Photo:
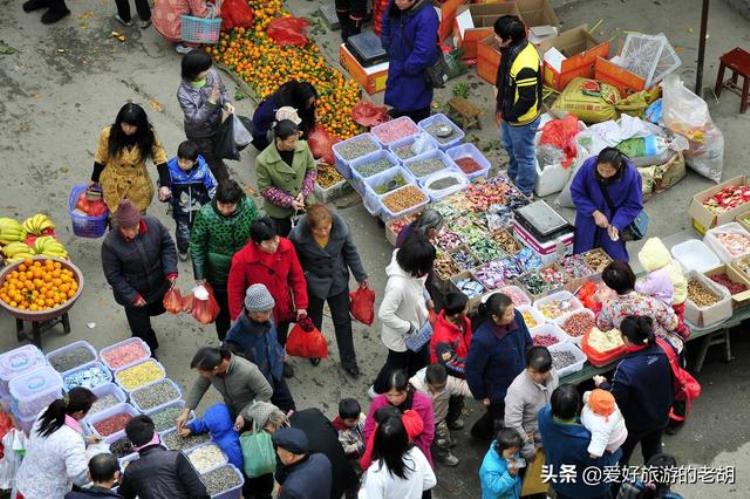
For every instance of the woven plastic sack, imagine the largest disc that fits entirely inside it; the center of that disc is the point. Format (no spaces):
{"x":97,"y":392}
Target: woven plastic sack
{"x":306,"y":341}
{"x":288,"y":31}
{"x":363,"y":305}
{"x":589,"y":100}
{"x":236,"y":14}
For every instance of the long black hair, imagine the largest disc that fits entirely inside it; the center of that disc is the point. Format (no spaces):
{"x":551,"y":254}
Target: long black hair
{"x":77,"y":399}
{"x":391,"y":445}
{"x":132,"y":114}
{"x":297,"y":94}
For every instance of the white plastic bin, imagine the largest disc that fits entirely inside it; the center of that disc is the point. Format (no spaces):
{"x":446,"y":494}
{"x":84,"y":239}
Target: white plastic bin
{"x":125,"y":371}
{"x":569,"y":301}
{"x":530,"y":312}
{"x":179,"y":404}
{"x":233,"y":492}
{"x":84,"y":345}
{"x":395,"y":147}
{"x":577,"y":353}
{"x":383,"y":131}
{"x":693,"y":254}
{"x":430,"y":184}
{"x":358,"y":180}
{"x":104,"y":390}
{"x":469,"y":150}
{"x":91,"y":421}
{"x":343,"y":163}
{"x":106,"y":376}
{"x":387,"y":214}
{"x":371,"y":199}
{"x":24,"y":423}
{"x":137,"y":352}
{"x":714,"y":314}
{"x":518,"y":296}
{"x":550,"y":329}
{"x":17,"y":362}
{"x":560,"y":321}
{"x":34,"y":391}
{"x":727,"y":254}
{"x":443,"y":143}
{"x":448,"y":164}
{"x":134,"y":395}
{"x":202,"y":448}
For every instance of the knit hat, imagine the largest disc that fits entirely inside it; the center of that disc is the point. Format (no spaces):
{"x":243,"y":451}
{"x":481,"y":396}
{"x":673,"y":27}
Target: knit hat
{"x":260,"y":413}
{"x":293,"y":440}
{"x":258,"y":299}
{"x":127,"y":215}
{"x":288,"y":113}
{"x":602,"y":402}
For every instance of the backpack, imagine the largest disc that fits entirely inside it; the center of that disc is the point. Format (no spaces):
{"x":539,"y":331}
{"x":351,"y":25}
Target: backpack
{"x":686,"y":388}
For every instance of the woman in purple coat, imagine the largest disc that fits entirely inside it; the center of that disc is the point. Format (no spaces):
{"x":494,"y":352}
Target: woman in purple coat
{"x":607,"y":194}
{"x":410,"y":37}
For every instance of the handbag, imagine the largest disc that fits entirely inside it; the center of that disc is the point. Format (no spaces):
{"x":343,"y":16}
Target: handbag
{"x":686,"y":387}
{"x":257,"y":452}
{"x":637,"y":229}
{"x":437,"y":74}
{"x":419,"y":338}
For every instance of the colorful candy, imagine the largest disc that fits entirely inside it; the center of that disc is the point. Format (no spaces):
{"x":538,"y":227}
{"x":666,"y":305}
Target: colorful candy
{"x":578,"y":324}
{"x":735,"y":243}
{"x":464,"y":259}
{"x":139,"y":375}
{"x":505,"y":240}
{"x":469,"y":287}
{"x":545,"y":340}
{"x":491,"y":274}
{"x":727,"y":199}
{"x":444,"y":266}
{"x":448,"y":240}
{"x":393,"y":130}
{"x":112,"y":424}
{"x":126,"y":353}
{"x":90,"y":377}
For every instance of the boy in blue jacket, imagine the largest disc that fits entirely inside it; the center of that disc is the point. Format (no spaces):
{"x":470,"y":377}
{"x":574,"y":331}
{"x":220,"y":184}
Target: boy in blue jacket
{"x":218,"y":422}
{"x":499,"y":471}
{"x":191,"y":185}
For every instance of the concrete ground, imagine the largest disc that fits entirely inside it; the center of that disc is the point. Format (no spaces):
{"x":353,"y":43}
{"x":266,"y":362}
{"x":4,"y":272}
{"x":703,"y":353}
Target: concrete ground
{"x":67,"y":81}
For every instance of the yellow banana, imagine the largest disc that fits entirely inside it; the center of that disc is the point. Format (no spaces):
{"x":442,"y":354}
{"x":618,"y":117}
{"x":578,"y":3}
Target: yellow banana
{"x":15,"y":248}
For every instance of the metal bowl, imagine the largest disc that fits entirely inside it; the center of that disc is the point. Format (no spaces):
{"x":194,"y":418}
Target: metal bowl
{"x":43,"y":315}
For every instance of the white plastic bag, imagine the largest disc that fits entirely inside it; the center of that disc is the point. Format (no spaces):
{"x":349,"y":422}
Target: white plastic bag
{"x":421,"y":144}
{"x":683,"y":111}
{"x":14,"y":442}
{"x":241,"y":135}
{"x":706,"y":157}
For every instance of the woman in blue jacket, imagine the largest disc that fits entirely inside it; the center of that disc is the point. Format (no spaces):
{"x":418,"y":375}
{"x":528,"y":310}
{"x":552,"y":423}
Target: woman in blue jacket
{"x":496,"y":356}
{"x":300,"y":95}
{"x":642,"y":387}
{"x":410,"y":38}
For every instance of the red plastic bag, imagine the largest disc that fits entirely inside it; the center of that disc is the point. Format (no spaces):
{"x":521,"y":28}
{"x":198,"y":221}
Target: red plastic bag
{"x":561,"y":135}
{"x":368,"y":114}
{"x":288,"y":31}
{"x":205,"y":307}
{"x":172,"y":301}
{"x":363,"y":305}
{"x":321,"y":144}
{"x":236,"y":14}
{"x":93,"y":208}
{"x":306,"y":341}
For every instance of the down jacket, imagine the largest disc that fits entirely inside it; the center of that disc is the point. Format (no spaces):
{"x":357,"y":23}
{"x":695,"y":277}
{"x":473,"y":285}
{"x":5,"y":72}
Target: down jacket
{"x":655,"y":256}
{"x":202,"y":119}
{"x":141,"y":266}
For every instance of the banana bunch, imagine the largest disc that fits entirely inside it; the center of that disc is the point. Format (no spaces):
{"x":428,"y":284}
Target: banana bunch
{"x":17,"y":251}
{"x":11,"y":230}
{"x":38,"y":223}
{"x":49,"y":246}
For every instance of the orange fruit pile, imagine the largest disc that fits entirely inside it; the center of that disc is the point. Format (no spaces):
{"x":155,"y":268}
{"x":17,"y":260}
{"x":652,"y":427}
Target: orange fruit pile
{"x":265,"y":66}
{"x":38,"y":285}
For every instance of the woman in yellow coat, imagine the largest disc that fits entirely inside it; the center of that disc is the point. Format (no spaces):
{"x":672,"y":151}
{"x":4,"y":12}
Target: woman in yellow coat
{"x":120,"y":161}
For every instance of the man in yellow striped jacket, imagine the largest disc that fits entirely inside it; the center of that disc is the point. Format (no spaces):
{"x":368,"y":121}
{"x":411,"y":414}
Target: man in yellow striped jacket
{"x":518,"y":89}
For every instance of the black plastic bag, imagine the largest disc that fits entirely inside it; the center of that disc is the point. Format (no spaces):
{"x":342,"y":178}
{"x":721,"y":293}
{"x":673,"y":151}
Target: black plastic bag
{"x":224,"y":147}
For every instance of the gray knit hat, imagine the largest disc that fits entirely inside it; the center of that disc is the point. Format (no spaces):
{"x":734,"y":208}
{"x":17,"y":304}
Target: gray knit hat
{"x":261,"y":412}
{"x":258,"y":299}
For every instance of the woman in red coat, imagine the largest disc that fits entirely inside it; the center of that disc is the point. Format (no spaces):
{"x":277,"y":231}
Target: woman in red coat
{"x":270,"y":260}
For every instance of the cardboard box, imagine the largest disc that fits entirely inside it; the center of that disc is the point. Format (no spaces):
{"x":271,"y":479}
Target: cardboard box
{"x":447,"y":14}
{"x":474,"y":22}
{"x":474,"y":301}
{"x":702,"y":219}
{"x":577,"y":52}
{"x":741,"y":299}
{"x":537,"y":13}
{"x":372,"y":79}
{"x":626,"y":81}
{"x":488,"y":59}
{"x":713,"y":314}
{"x":744,"y":218}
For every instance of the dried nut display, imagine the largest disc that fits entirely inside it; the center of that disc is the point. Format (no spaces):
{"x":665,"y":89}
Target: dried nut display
{"x":139,"y":375}
{"x":424,"y":167}
{"x":597,"y":260}
{"x":356,"y":148}
{"x":207,"y":457}
{"x":220,"y":480}
{"x":403,"y":199}
{"x":442,"y":131}
{"x":699,"y":295}
{"x":373,"y":167}
{"x":155,"y":394}
{"x":175,"y":442}
{"x":328,"y":176}
{"x":562,"y":359}
{"x":105,"y":402}
{"x":69,"y":359}
{"x":578,"y":324}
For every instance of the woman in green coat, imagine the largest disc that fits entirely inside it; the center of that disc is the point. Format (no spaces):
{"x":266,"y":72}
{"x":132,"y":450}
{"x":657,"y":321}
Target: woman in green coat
{"x":220,"y":229}
{"x":286,"y":175}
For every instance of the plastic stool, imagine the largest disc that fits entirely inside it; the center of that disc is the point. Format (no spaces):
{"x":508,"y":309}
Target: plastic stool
{"x":738,"y":61}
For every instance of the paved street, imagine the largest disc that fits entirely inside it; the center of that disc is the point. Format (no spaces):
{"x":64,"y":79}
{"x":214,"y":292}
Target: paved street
{"x":68,"y":81}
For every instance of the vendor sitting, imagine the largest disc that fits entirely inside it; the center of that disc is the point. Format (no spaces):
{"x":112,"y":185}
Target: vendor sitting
{"x":298,"y":95}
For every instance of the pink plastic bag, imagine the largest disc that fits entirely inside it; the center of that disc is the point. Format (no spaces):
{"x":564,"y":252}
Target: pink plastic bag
{"x":288,"y":31}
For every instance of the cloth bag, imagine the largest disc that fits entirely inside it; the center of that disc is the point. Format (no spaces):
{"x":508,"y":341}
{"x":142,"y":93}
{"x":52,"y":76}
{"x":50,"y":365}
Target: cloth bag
{"x":257,"y":452}
{"x":532,"y":482}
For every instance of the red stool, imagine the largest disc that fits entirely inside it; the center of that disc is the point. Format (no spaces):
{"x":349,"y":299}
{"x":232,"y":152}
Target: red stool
{"x":738,"y":61}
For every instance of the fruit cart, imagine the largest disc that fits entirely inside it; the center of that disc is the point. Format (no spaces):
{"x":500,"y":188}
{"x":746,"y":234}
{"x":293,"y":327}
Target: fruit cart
{"x":42,"y":320}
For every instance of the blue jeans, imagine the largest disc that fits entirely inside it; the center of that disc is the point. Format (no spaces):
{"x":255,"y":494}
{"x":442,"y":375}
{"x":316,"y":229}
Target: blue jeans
{"x":518,"y":142}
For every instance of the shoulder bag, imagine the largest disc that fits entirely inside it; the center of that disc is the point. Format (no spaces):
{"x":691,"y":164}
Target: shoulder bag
{"x":437,"y":74}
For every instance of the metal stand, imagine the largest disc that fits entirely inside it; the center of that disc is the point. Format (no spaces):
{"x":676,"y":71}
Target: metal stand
{"x":720,"y":337}
{"x":40,"y":327}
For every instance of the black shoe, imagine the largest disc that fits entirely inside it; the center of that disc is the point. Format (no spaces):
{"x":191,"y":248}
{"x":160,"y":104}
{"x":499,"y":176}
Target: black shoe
{"x":353,"y":371}
{"x":288,"y":370}
{"x":52,"y":16}
{"x":315,"y":361}
{"x":32,"y":5}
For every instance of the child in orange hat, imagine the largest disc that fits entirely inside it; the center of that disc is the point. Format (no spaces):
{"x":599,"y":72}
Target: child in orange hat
{"x":602,"y":417}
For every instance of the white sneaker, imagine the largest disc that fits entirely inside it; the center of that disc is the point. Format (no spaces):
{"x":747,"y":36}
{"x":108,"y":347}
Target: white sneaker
{"x":182,"y":49}
{"x":123,"y":21}
{"x":371,"y":392}
{"x":450,"y":460}
{"x":144,"y":24}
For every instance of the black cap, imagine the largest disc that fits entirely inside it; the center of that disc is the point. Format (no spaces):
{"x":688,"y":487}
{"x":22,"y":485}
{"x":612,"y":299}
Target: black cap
{"x":293,"y":440}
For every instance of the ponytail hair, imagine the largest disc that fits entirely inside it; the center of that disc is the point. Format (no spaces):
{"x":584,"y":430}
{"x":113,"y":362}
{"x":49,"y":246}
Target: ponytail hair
{"x":53,"y":418}
{"x":496,"y":305}
{"x":638,"y":329}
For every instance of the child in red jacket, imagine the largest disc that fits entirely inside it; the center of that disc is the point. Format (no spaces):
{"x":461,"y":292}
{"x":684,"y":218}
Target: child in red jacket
{"x":453,"y":328}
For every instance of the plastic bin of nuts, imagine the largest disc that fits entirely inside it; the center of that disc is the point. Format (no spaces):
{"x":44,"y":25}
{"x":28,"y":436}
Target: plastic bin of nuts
{"x":155,"y":395}
{"x":351,"y":149}
{"x":429,"y":163}
{"x":224,"y":482}
{"x":369,"y":166}
{"x":207,"y":457}
{"x":380,"y":184}
{"x":71,"y":356}
{"x":108,"y":395}
{"x":567,"y":358}
{"x":403,"y":201}
{"x":707,"y":302}
{"x":173,"y":441}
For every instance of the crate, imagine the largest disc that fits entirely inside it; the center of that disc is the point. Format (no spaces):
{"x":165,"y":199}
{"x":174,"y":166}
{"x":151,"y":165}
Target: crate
{"x":470,"y":150}
{"x":203,"y":30}
{"x":357,"y":179}
{"x":134,"y":393}
{"x":579,"y":50}
{"x":438,"y":194}
{"x":33,"y":391}
{"x":381,"y":130}
{"x":234,"y":492}
{"x":488,"y":59}
{"x":435,"y":154}
{"x":106,"y":413}
{"x":574,"y":303}
{"x":103,"y":354}
{"x":447,"y":16}
{"x":625,"y":81}
{"x":721,"y":251}
{"x":443,"y":145}
{"x":474,"y":22}
{"x":550,"y":329}
{"x":537,"y":13}
{"x":84,"y":225}
{"x":344,"y":165}
{"x":703,"y":317}
{"x":372,"y":79}
{"x":744,"y":219}
{"x":741,"y":299}
{"x":17,"y":362}
{"x":73,"y":346}
{"x":577,"y":353}
{"x":333,"y":192}
{"x":371,"y":199}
